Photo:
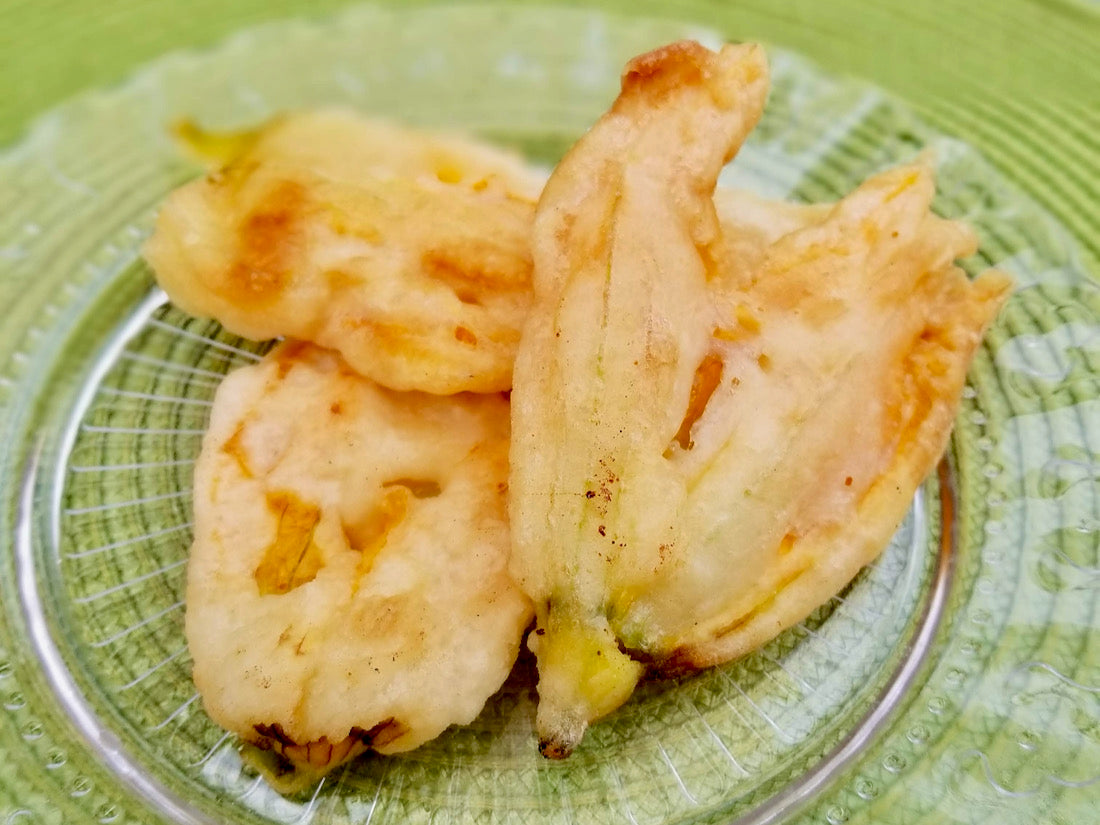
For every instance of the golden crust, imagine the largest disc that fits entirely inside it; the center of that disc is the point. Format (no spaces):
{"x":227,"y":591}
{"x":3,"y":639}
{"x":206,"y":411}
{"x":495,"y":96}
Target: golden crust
{"x":626,"y":238}
{"x":408,"y":253}
{"x":347,"y":586}
{"x":717,"y":423}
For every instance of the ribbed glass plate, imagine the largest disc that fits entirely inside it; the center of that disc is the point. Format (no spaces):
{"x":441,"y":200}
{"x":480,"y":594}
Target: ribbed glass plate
{"x":954,"y":681}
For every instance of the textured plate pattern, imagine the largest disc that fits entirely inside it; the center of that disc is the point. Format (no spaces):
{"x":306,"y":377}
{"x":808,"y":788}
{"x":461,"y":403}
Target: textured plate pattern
{"x":106,"y":393}
{"x":124,"y":527}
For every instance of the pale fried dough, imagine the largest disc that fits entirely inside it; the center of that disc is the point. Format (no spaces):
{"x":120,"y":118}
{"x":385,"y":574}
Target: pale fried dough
{"x":407,"y":252}
{"x":712,"y":431}
{"x":347,"y":586}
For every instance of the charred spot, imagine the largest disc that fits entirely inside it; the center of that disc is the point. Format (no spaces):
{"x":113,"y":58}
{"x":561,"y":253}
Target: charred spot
{"x":554,"y":750}
{"x":381,"y":734}
{"x":590,"y":494}
{"x":848,"y":481}
{"x":602,"y":530}
{"x":637,"y":654}
{"x":676,"y":665}
{"x":273,"y":733}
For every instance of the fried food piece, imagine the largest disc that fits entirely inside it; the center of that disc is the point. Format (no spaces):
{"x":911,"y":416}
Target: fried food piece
{"x":705,"y":448}
{"x":406,"y":252}
{"x":625,"y":236}
{"x":348,"y":584}
{"x":835,"y":399}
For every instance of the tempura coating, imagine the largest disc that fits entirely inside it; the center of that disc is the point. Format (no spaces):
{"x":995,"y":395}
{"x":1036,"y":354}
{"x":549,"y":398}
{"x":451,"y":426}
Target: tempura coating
{"x":626,"y":237}
{"x":407,"y":252}
{"x":712,"y":432}
{"x":348,"y":586}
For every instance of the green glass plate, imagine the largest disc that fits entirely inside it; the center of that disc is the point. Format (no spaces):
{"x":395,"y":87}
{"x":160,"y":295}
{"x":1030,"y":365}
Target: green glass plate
{"x":955,"y":680}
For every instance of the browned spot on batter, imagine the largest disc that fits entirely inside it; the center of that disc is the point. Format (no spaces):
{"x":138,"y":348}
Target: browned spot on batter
{"x":920,"y":377}
{"x":665,"y":70}
{"x":390,"y":338}
{"x":234,"y":447}
{"x":708,"y":375}
{"x":267,"y":239}
{"x":292,"y":559}
{"x":287,"y":356}
{"x":336,"y":408}
{"x":764,"y":361}
{"x":786,"y":544}
{"x":468,"y":297}
{"x":465,"y":336}
{"x":384,"y":733}
{"x":477,"y":265}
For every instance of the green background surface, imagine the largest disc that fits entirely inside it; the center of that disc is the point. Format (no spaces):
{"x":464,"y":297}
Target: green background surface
{"x":1018,"y":79}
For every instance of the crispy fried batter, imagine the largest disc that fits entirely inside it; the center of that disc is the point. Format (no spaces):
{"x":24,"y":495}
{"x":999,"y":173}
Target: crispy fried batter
{"x":626,"y":238}
{"x":714,"y":429}
{"x":347,"y":587}
{"x":407,"y":252}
